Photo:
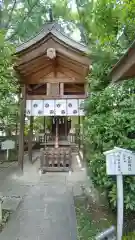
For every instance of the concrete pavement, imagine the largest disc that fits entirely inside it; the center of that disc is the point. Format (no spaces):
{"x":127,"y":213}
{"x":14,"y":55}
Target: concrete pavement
{"x":47,"y":210}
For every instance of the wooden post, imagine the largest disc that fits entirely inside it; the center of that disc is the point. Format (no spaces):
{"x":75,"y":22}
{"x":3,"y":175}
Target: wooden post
{"x":30,"y":139}
{"x":44,"y":129}
{"x":66,"y":127}
{"x":61,"y":89}
{"x":41,"y":158}
{"x":56,"y":136}
{"x":22,"y":125}
{"x":83,"y":150}
{"x":45,"y":136}
{"x":16,"y":132}
{"x":48,"y":89}
{"x":79,"y":142}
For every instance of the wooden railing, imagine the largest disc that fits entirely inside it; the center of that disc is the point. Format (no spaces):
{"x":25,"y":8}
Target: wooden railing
{"x":47,"y":137}
{"x":72,"y":138}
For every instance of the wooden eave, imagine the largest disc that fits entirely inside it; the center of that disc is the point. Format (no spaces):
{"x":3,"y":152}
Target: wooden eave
{"x":125,"y":68}
{"x":34,"y":67}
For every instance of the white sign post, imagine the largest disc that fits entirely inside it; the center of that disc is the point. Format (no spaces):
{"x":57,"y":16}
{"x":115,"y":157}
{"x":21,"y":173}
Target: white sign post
{"x":120,"y":162}
{"x":6,"y":145}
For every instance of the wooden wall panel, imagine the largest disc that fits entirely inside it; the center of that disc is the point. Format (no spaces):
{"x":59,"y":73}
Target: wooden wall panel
{"x":54,"y":89}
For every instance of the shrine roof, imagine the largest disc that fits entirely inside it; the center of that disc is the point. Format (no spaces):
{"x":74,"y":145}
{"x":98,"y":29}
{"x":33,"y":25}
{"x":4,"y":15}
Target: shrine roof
{"x":125,"y":67}
{"x":52,"y":29}
{"x":52,"y":56}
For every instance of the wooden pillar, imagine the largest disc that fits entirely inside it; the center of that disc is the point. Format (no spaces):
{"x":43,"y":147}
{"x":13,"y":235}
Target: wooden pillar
{"x":45,"y":136}
{"x":61,"y":89}
{"x":79,"y":140}
{"x":66,"y":127}
{"x":22,"y":125}
{"x":30,"y":139}
{"x":16,"y":132}
{"x":48,"y":89}
{"x":56,"y":136}
{"x":44,"y":124}
{"x":83,"y":150}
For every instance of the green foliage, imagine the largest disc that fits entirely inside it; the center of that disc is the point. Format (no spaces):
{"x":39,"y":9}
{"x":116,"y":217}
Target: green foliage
{"x":23,"y":19}
{"x":110,"y":122}
{"x":88,"y":215}
{"x":38,"y":125}
{"x":110,"y":108}
{"x":131,"y":236}
{"x":8,"y":86}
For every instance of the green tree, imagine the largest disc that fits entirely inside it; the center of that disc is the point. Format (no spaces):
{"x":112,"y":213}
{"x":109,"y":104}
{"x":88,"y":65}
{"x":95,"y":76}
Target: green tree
{"x":109,"y":108}
{"x":8,"y":86}
{"x":23,"y":19}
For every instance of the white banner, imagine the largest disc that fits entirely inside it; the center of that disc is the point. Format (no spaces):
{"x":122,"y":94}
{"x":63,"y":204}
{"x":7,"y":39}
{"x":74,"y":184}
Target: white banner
{"x":28,"y":108}
{"x":37,"y":108}
{"x":81,"y":109}
{"x":49,"y":107}
{"x":58,"y":107}
{"x":72,"y":107}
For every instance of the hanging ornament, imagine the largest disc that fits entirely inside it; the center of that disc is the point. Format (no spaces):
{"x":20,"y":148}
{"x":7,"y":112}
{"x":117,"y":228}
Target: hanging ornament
{"x":51,"y":53}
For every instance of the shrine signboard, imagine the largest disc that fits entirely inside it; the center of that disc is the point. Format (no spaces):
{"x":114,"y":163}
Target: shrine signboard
{"x":120,"y":162}
{"x":7,"y":145}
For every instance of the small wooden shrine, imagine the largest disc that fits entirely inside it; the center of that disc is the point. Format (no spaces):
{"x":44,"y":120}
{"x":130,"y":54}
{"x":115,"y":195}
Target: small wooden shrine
{"x":125,"y":67}
{"x":52,"y":70}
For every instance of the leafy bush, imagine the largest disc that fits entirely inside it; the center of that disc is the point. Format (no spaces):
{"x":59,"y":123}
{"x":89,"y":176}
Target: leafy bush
{"x":110,"y":122}
{"x":131,"y":236}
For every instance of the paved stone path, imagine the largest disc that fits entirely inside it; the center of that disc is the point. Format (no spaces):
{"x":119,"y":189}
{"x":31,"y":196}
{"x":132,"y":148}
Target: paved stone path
{"x":46,"y":212}
{"x":47,"y":209}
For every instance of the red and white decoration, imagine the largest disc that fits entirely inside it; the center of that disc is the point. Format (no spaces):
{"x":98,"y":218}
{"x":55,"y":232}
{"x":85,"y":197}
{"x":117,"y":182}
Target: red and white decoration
{"x":59,"y":107}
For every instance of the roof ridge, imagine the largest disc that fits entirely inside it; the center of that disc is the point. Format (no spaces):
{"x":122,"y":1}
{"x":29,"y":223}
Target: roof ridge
{"x":52,"y":28}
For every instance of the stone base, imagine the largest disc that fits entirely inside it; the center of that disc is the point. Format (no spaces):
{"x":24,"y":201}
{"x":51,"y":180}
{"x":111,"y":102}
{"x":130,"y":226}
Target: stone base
{"x":55,"y":169}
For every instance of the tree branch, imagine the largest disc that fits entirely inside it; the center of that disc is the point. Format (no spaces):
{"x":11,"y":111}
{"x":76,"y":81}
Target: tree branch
{"x":23,"y":20}
{"x":11,"y":13}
